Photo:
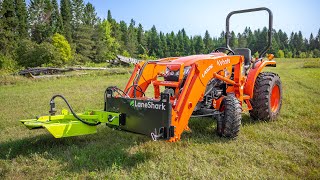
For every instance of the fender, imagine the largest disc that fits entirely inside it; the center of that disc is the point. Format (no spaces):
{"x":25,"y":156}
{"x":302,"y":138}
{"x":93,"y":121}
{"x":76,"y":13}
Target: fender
{"x":252,"y":76}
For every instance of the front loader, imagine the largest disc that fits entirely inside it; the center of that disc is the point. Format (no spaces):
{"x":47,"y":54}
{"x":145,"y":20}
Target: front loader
{"x":215,"y":85}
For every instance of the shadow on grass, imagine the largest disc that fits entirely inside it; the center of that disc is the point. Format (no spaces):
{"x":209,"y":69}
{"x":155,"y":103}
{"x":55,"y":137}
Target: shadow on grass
{"x":247,"y":121}
{"x":106,"y":149}
{"x":203,"y":129}
{"x":93,"y":152}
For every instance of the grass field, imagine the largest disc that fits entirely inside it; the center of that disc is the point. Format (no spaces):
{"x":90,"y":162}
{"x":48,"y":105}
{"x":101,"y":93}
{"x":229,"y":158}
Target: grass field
{"x":288,"y":148}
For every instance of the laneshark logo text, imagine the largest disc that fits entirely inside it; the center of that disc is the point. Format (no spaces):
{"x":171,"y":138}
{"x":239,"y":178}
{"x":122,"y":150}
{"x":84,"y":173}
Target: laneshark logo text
{"x":147,"y":105}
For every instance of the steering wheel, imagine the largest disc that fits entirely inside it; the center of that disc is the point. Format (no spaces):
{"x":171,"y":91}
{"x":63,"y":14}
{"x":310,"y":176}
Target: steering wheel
{"x":221,"y":49}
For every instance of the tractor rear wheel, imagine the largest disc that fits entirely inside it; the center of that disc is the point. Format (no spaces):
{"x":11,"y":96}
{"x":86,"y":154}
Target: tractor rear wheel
{"x":267,"y":97}
{"x":228,"y":125}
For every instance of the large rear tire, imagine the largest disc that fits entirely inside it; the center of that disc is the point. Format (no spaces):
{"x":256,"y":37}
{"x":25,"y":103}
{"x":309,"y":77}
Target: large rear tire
{"x":230,"y":121}
{"x":267,"y":97}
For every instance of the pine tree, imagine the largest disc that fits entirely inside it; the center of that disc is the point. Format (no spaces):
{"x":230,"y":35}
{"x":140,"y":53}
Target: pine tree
{"x":260,"y":40}
{"x":317,"y":46}
{"x":141,"y":40}
{"x":98,"y":39}
{"x":65,"y":9}
{"x":275,"y":44}
{"x":115,"y":28}
{"x":296,"y":43}
{"x":84,"y":43}
{"x":22,"y":16}
{"x":1,"y":17}
{"x":176,"y":45}
{"x":56,"y":19}
{"x":179,"y":44}
{"x":9,"y":23}
{"x":186,"y":43}
{"x":153,"y":41}
{"x":291,"y":46}
{"x":83,"y":21}
{"x":163,"y":45}
{"x":221,"y":40}
{"x":242,"y":41}
{"x":2,"y":38}
{"x":311,"y":42}
{"x":198,"y":45}
{"x":207,"y":40}
{"x":170,"y":43}
{"x":39,"y":18}
{"x":250,"y":39}
{"x":233,"y":40}
{"x":109,"y":18}
{"x":124,"y":34}
{"x":132,"y":39}
{"x":77,"y":9}
{"x":90,"y":15}
{"x":283,"y":40}
{"x":301,"y":43}
{"x":192,"y":44}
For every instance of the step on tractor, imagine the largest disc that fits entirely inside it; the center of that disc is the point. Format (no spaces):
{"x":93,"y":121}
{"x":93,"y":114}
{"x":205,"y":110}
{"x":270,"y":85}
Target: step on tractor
{"x":162,"y":95}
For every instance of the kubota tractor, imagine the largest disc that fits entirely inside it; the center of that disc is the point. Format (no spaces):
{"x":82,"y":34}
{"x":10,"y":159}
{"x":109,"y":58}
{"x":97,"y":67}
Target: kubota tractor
{"x":216,"y":85}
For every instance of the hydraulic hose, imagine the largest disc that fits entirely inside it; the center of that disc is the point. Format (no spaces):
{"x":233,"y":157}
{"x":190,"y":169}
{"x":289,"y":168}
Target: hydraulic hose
{"x":52,"y":110}
{"x":135,"y":89}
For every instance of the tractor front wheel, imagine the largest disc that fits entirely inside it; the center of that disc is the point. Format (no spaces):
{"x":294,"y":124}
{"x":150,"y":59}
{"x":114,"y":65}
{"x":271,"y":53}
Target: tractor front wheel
{"x":267,"y":97}
{"x":228,"y":125}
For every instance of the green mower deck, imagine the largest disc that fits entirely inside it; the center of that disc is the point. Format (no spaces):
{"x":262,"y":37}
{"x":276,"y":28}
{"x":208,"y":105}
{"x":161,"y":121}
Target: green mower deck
{"x":66,"y":125}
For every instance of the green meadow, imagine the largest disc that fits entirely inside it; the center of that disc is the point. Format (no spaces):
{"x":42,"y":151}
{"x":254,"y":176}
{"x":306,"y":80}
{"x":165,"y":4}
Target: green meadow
{"x":288,"y":148}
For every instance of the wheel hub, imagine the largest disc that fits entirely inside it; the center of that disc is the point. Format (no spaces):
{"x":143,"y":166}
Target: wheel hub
{"x":275,"y":98}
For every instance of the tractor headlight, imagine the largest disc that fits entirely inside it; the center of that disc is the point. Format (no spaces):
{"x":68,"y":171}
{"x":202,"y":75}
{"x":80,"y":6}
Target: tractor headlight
{"x":186,"y":70}
{"x":171,"y":72}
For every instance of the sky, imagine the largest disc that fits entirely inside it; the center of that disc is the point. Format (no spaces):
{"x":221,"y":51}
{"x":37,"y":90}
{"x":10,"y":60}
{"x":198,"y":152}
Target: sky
{"x":197,"y":16}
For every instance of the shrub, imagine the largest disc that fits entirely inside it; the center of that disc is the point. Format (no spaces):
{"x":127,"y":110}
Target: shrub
{"x":316,"y":53}
{"x":48,"y":54}
{"x":302,"y":55}
{"x":280,"y":54}
{"x":79,"y":59}
{"x":289,"y":54}
{"x":7,"y":63}
{"x":25,"y":52}
{"x":125,"y":53}
{"x":310,"y":54}
{"x":30,"y":54}
{"x":146,"y":57}
{"x":63,"y":47}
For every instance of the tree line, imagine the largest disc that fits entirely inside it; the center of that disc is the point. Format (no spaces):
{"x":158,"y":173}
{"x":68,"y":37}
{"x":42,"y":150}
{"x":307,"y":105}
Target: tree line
{"x":47,"y":33}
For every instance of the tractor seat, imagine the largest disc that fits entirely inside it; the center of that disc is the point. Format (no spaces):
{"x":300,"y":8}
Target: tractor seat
{"x":246,"y":52}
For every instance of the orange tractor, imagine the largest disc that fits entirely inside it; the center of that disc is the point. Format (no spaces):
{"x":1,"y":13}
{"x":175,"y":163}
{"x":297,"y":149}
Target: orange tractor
{"x":216,"y":85}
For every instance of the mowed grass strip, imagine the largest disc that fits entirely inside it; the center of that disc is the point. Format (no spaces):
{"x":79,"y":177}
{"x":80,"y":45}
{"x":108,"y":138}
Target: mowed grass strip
{"x":286,"y":148}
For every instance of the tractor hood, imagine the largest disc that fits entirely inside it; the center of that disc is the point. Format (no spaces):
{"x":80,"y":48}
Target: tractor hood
{"x":188,"y":60}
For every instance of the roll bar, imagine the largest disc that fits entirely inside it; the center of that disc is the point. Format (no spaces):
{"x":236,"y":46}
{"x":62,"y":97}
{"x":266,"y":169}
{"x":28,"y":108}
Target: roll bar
{"x":228,"y":34}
